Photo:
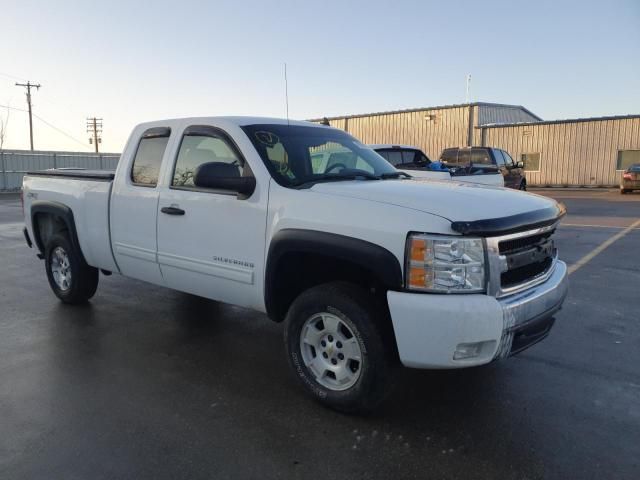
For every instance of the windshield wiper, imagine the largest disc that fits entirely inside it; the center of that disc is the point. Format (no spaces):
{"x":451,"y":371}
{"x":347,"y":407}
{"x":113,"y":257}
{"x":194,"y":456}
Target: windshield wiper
{"x":388,"y":175}
{"x":309,"y":182}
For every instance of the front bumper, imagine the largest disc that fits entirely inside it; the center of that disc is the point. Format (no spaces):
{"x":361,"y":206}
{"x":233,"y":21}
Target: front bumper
{"x":431,"y":329}
{"x":630,"y":185}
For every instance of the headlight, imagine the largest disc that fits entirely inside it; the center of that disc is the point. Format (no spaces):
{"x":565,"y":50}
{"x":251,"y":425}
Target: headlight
{"x":437,"y":263}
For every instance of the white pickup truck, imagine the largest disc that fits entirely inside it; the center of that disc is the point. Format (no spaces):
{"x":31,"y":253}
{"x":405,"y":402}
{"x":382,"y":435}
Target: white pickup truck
{"x":368,"y":268}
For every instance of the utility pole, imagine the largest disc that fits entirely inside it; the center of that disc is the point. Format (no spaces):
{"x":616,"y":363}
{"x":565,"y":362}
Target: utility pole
{"x":94,"y":127}
{"x":28,"y":86}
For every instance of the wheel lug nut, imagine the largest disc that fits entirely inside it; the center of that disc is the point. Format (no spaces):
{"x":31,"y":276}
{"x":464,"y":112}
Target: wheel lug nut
{"x":330,"y":338}
{"x":334,"y":361}
{"x":341,"y":356}
{"x":339,"y":344}
{"x":323,"y":343}
{"x":324,"y":354}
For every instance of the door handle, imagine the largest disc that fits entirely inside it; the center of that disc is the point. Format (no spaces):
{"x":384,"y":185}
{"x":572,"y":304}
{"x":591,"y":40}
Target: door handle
{"x":172,"y":210}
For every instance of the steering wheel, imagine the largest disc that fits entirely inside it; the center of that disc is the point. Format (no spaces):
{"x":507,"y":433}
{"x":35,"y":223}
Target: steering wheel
{"x":334,"y":166}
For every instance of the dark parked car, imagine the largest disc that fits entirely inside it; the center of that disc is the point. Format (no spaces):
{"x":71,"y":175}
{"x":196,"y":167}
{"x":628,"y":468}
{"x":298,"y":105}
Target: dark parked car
{"x":472,"y":160}
{"x":403,"y":156}
{"x":630,"y":179}
{"x":414,"y":161}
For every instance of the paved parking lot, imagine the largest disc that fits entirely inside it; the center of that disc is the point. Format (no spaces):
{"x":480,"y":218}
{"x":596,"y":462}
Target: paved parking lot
{"x":145,"y":382}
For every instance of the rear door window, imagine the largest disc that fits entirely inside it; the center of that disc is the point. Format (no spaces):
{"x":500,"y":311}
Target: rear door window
{"x":480,"y":157}
{"x":395,"y":157}
{"x":146,"y":164}
{"x":449,"y":156}
{"x":384,"y":154}
{"x":464,"y":157}
{"x":408,"y":156}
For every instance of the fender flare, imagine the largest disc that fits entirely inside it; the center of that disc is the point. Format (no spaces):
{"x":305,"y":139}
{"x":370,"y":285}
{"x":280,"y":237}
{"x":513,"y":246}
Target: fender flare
{"x":381,"y":262}
{"x":59,"y":210}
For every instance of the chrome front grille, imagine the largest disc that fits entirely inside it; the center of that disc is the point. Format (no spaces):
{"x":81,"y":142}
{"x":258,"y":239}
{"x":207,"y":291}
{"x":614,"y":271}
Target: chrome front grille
{"x":520,"y":260}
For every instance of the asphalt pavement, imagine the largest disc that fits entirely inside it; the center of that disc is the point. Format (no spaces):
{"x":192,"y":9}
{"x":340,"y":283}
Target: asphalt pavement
{"x":145,"y":382}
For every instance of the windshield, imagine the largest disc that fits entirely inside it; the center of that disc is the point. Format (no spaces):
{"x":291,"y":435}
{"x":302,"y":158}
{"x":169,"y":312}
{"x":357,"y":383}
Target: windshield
{"x":298,"y":155}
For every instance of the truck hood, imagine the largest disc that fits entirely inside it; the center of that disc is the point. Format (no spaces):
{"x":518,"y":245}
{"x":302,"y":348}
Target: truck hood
{"x":455,"y":201}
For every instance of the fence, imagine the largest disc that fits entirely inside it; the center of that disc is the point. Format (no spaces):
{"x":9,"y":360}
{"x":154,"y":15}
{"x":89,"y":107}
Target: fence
{"x":15,"y":163}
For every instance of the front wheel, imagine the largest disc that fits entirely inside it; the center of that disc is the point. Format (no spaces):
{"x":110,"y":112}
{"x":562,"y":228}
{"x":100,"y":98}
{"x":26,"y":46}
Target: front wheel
{"x":336,"y":348}
{"x":70,"y":278}
{"x":523,"y":186}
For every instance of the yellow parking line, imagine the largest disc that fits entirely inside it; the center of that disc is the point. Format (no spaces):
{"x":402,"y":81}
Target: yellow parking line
{"x":590,"y":256}
{"x":591,"y":225}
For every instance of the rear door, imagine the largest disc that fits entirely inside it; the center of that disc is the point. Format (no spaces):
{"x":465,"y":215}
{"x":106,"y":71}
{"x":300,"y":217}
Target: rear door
{"x":134,"y":208}
{"x":211,"y":242}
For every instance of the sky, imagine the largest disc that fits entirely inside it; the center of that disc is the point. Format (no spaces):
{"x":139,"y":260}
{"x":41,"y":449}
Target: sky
{"x":129,"y":62}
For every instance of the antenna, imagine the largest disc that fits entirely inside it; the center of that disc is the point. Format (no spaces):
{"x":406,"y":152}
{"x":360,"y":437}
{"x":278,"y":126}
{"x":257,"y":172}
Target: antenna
{"x":286,"y":92}
{"x":468,"y":96}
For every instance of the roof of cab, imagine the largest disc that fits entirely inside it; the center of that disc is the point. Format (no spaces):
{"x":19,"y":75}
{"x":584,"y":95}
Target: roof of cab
{"x":236,"y":120}
{"x":392,"y":146}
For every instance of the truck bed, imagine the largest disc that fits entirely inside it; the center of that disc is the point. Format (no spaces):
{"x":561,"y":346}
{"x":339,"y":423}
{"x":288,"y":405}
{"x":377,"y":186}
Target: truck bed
{"x":87,"y":193}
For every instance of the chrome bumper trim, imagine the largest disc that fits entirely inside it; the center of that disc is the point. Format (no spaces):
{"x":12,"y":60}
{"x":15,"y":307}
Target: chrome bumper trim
{"x":532,"y":305}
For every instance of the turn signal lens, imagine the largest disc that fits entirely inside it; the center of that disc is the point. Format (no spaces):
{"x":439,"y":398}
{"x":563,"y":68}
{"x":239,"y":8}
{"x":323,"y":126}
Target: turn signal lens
{"x":418,"y":277}
{"x":418,"y":249}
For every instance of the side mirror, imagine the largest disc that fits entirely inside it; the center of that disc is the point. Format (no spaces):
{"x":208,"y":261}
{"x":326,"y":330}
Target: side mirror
{"x":520,"y":164}
{"x":223,"y":176}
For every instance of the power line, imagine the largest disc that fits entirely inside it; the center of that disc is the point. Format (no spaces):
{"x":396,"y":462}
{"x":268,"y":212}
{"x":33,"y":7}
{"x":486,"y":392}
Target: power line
{"x":48,"y":124}
{"x":13,"y":108}
{"x":61,"y":131}
{"x":12,"y":76}
{"x":29,"y":86}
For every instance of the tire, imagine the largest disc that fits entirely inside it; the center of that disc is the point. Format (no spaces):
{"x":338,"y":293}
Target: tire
{"x":358,"y":314}
{"x":623,"y":191}
{"x":523,"y":186}
{"x":70,"y":278}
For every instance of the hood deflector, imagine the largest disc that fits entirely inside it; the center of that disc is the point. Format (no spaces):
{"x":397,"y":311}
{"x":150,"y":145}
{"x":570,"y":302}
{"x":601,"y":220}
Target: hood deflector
{"x":492,"y":227}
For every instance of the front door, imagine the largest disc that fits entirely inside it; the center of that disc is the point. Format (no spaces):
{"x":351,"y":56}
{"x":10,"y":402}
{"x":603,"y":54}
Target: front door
{"x":512,"y":176}
{"x":211,"y":243}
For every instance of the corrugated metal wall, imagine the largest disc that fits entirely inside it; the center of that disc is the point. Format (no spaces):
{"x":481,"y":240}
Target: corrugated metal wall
{"x":578,"y":153}
{"x":15,"y":163}
{"x":503,"y":114}
{"x":431,"y":129}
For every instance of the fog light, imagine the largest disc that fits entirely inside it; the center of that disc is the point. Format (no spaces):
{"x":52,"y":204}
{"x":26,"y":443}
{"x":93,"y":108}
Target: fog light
{"x":472,"y":350}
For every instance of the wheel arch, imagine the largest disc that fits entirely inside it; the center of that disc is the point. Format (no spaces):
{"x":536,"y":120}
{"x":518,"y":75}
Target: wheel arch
{"x":49,"y":217}
{"x":295,"y":253}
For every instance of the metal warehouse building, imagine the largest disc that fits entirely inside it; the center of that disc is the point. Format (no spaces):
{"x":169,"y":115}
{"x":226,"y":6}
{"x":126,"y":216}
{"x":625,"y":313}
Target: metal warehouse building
{"x":575,"y":152}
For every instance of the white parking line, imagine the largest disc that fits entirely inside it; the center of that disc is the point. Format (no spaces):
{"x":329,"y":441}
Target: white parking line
{"x":593,"y":253}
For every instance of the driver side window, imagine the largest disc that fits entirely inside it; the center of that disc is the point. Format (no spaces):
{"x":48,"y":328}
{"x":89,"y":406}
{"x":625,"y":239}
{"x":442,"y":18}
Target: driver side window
{"x":198,"y":149}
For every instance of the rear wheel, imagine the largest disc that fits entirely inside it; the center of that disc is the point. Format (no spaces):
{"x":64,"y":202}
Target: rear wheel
{"x":336,"y":349}
{"x":70,"y":278}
